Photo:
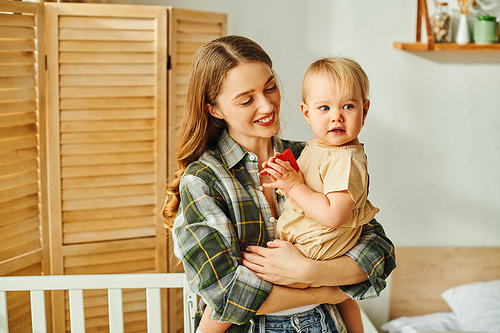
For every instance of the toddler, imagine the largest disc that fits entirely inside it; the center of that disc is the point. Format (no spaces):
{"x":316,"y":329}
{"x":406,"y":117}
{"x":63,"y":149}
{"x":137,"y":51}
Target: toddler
{"x":327,"y":203}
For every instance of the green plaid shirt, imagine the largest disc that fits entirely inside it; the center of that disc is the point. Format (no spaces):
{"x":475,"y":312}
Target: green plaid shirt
{"x":223,"y":210}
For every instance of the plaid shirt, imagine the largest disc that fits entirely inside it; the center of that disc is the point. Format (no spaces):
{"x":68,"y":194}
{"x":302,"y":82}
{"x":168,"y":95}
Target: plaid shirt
{"x":223,"y":210}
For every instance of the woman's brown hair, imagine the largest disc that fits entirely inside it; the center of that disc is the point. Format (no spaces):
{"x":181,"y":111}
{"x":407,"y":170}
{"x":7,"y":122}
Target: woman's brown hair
{"x":200,"y":131}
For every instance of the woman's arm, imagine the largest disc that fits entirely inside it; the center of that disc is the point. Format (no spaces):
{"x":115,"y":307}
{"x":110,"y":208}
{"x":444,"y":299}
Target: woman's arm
{"x":282,"y":298}
{"x":361,"y":272}
{"x":282,"y":263}
{"x":208,"y":325}
{"x":375,"y":254}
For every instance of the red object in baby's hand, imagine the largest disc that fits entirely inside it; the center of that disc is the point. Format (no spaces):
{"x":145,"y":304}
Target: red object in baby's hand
{"x":287,"y":155}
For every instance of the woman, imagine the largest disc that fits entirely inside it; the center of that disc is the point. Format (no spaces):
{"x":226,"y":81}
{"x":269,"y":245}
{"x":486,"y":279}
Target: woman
{"x":225,"y":217}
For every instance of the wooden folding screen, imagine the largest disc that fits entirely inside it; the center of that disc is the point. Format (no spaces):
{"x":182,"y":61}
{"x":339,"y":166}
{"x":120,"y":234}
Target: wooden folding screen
{"x":22,"y":105}
{"x":104,"y":143}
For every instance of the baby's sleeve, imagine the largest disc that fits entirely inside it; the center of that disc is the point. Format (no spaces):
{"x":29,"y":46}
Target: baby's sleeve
{"x":343,"y":171}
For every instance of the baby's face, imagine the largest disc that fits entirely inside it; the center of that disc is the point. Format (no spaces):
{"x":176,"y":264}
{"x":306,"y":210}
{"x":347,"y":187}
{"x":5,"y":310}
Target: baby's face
{"x":336,"y":118}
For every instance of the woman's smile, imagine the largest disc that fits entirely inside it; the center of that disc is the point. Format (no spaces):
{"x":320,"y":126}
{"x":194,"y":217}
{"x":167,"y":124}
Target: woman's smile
{"x":269,"y":120}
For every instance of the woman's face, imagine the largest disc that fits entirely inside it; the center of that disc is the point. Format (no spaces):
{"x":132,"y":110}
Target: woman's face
{"x":249,"y":102}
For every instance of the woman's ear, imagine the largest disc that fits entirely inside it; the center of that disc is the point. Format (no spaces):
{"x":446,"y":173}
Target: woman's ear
{"x":213,"y":111}
{"x":366,"y":107}
{"x":305,"y":112}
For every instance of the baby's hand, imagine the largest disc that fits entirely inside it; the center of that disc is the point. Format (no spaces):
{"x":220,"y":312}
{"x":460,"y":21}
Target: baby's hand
{"x":283,"y":175}
{"x":265,"y":166}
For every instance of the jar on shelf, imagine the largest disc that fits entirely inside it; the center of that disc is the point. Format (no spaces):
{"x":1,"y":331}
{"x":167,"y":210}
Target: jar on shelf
{"x":441,"y":23}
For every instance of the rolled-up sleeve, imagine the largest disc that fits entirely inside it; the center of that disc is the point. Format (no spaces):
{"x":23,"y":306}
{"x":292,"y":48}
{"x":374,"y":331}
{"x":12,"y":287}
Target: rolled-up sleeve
{"x":206,"y":242}
{"x":375,"y":254}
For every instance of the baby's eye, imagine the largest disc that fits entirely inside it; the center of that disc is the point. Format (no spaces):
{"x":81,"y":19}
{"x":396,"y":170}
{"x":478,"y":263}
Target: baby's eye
{"x":348,"y":106}
{"x":324,"y":108}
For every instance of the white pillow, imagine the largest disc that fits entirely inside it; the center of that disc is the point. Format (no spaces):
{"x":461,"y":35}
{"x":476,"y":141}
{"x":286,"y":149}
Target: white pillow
{"x":440,"y":321}
{"x":476,"y":305}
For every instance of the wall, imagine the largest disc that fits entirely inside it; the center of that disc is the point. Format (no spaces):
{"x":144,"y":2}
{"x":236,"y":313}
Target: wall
{"x":431,"y":135}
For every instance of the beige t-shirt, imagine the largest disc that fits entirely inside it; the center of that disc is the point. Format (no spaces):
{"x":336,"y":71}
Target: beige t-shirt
{"x":328,"y":170}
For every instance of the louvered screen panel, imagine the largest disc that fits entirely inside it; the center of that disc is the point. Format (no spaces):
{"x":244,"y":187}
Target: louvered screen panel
{"x":107,"y":121}
{"x":188,"y":31}
{"x":20,"y":150}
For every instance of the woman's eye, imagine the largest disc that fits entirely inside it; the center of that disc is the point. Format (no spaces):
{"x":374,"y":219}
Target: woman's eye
{"x":273,"y":88}
{"x":247,"y":102}
{"x":324,"y":108}
{"x":348,"y":106}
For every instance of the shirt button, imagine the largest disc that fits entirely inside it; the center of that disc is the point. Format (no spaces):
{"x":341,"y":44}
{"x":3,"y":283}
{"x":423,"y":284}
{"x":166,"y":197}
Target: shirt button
{"x":296,"y":320}
{"x":261,"y":188}
{"x":251,"y":157}
{"x":271,"y":219}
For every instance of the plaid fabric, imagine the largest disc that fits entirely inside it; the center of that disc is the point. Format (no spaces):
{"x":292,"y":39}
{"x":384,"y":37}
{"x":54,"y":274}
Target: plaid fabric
{"x":375,"y":254}
{"x":223,"y":209}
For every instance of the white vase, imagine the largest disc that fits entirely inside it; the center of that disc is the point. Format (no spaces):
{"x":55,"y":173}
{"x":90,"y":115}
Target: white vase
{"x":463,"y":36}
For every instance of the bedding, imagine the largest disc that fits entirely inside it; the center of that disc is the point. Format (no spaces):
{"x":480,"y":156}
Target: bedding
{"x":476,"y":305}
{"x":434,"y":322}
{"x":475,"y":308}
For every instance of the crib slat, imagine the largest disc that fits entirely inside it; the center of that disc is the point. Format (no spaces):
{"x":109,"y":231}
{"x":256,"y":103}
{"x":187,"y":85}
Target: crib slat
{"x":115,"y":311}
{"x":38,"y":323}
{"x":153,"y":306}
{"x":76,"y":311}
{"x":189,"y":305}
{"x":4,"y":322}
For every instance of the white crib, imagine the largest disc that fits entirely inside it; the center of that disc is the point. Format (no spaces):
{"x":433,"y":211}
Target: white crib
{"x":114,"y":283}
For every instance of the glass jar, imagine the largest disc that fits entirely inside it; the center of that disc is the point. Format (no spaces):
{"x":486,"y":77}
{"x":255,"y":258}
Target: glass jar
{"x":441,"y":23}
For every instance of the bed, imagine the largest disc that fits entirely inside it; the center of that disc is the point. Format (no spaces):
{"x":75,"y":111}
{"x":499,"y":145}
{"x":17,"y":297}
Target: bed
{"x":445,"y":289}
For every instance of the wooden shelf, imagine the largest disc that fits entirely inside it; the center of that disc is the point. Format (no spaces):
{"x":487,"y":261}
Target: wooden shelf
{"x":423,"y":14}
{"x":446,"y":47}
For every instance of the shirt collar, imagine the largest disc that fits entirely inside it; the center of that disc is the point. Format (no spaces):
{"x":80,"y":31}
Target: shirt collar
{"x":232,"y":153}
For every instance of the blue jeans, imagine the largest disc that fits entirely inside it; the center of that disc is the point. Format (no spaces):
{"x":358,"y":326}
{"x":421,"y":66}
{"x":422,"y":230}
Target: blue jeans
{"x":316,"y":320}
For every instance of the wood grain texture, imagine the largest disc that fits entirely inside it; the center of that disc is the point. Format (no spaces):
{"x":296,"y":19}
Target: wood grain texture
{"x":21,"y":150}
{"x":422,"y":274}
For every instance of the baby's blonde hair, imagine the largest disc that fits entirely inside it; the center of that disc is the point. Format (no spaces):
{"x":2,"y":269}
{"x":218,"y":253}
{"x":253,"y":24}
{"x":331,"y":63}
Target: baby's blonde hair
{"x":344,"y":73}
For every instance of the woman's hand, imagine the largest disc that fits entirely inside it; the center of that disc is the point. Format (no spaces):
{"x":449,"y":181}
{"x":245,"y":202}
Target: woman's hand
{"x":280,"y":263}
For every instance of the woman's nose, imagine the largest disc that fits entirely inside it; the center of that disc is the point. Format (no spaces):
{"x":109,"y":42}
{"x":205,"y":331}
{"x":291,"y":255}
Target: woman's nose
{"x":266,"y":105}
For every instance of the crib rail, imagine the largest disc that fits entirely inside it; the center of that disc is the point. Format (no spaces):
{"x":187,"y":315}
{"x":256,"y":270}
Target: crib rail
{"x":114,"y":283}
